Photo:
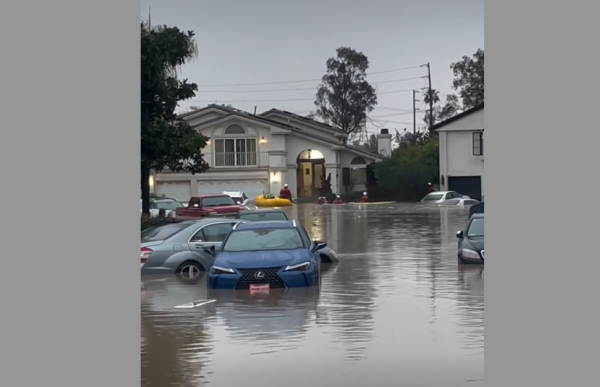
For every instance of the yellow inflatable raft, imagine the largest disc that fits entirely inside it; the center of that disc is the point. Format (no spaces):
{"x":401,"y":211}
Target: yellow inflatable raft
{"x":260,"y":201}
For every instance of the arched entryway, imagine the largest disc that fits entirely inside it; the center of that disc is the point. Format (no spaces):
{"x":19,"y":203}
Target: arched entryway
{"x":310,"y":172}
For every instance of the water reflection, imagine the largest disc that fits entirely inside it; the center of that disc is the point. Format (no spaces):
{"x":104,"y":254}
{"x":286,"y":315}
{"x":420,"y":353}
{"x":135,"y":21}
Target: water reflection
{"x":397,"y":306}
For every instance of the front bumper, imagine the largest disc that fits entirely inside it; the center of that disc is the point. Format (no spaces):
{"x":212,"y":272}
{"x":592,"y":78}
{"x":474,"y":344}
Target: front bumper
{"x":470,"y":259}
{"x":275,"y":277}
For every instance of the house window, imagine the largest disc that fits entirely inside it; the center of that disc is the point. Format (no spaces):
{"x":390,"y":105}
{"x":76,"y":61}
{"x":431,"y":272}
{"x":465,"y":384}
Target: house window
{"x":231,"y":152}
{"x":358,"y":176}
{"x":235,"y":129}
{"x":478,"y":144}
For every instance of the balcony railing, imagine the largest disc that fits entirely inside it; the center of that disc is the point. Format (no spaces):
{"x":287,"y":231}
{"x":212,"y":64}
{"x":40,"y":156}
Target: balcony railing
{"x":240,"y":159}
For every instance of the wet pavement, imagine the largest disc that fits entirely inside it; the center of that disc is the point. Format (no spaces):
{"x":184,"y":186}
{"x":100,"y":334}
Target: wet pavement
{"x":396,"y":311}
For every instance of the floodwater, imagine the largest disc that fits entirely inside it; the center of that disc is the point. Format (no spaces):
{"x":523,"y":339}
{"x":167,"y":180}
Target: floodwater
{"x":396,"y":311}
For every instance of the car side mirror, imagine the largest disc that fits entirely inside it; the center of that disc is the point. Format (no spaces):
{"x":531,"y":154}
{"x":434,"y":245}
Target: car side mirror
{"x":210,"y":250}
{"x":459,"y":234}
{"x":319,"y":245}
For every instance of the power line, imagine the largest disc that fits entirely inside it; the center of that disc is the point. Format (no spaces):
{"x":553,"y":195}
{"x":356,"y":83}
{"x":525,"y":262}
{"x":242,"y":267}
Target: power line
{"x":298,"y":89}
{"x":305,"y":80}
{"x":281,"y":100}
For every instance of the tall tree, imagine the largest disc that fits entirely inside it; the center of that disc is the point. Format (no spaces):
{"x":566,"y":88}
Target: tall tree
{"x":344,"y":97}
{"x":468,"y":79}
{"x":166,"y":141}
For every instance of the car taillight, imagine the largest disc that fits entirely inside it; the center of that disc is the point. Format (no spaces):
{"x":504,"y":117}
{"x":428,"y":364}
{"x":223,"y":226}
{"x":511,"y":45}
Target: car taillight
{"x":145,"y":254}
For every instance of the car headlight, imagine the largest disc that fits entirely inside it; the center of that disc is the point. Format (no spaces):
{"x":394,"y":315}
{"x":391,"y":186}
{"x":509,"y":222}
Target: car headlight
{"x":468,"y":253}
{"x":304,"y":266}
{"x":221,"y":270}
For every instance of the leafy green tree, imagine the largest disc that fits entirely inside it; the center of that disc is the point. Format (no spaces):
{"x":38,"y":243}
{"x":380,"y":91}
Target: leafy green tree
{"x":344,"y":97}
{"x":166,"y":141}
{"x":409,"y":169}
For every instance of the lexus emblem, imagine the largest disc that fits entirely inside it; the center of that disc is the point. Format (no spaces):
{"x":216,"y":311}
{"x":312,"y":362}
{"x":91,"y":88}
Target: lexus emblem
{"x":482,"y":256}
{"x":259,"y":274}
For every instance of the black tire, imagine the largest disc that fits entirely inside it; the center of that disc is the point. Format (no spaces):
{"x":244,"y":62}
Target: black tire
{"x":460,"y":260}
{"x":190,"y":271}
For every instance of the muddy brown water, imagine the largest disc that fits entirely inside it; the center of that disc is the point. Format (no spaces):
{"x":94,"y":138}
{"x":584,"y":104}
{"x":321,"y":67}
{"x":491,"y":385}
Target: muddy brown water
{"x":396,"y":311}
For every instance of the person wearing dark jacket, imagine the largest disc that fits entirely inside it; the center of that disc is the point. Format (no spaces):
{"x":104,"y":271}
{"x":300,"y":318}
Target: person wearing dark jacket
{"x":285,"y":193}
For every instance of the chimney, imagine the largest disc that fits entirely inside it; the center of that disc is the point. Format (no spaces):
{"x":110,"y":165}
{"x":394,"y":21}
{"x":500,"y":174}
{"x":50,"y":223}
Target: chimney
{"x":384,"y":143}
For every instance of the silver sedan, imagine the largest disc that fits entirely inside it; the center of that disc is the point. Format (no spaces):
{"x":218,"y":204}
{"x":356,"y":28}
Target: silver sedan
{"x":180,"y":247}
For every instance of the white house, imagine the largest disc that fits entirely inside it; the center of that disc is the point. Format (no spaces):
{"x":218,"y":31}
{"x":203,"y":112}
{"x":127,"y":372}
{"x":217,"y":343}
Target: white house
{"x":260,"y":153}
{"x":461,"y":153}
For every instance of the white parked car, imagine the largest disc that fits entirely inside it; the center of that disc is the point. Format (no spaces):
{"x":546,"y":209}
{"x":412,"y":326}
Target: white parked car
{"x":442,"y":196}
{"x":239,"y":197}
{"x":461,"y":202}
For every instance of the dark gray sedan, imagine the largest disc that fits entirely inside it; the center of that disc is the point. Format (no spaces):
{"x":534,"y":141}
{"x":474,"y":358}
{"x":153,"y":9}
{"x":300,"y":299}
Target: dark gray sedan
{"x":179,"y":247}
{"x":470,"y":241}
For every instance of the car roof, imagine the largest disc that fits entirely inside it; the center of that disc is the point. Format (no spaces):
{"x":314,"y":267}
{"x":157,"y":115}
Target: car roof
{"x":266,"y":225}
{"x":216,"y":195}
{"x":261,"y":210}
{"x":201,"y":221}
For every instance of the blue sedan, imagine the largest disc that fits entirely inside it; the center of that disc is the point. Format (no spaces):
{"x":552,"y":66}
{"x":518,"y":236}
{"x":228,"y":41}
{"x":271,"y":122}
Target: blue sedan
{"x":266,"y":255}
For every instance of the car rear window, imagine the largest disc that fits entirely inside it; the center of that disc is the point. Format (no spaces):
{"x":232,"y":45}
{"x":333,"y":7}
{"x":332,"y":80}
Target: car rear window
{"x":217,"y":201}
{"x":160,"y":233}
{"x":265,"y":216}
{"x":433,"y":197}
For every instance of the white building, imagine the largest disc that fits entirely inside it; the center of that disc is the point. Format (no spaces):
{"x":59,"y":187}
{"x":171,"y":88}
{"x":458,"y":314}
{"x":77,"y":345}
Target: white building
{"x":461,"y":153}
{"x":260,"y":153}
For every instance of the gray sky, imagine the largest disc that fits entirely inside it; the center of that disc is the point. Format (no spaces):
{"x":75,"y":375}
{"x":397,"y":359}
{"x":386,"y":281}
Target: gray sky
{"x":277,"y":41}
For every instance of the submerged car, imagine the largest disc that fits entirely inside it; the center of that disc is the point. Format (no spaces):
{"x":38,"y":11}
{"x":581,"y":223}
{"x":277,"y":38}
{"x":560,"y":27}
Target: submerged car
{"x":178,"y":247}
{"x":470,"y":241}
{"x":261,"y":256}
{"x":461,"y":202}
{"x":276,"y":214}
{"x":441,"y":196}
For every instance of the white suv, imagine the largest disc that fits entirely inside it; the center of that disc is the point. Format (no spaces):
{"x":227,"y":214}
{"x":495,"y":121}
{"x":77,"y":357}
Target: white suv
{"x":239,"y":197}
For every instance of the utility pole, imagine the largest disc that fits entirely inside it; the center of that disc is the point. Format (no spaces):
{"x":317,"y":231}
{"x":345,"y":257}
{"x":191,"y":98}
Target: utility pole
{"x":414,"y":116}
{"x":430,"y":97}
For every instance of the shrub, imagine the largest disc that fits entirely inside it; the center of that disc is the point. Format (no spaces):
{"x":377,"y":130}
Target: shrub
{"x":406,"y":173}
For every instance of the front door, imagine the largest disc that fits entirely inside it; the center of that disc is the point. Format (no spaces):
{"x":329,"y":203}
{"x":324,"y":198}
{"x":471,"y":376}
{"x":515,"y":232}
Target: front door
{"x":309,"y":177}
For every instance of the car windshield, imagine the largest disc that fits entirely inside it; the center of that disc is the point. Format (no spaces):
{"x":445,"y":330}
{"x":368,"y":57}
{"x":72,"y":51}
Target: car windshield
{"x":433,"y":196}
{"x":264,"y":216}
{"x":160,"y":233}
{"x":170,"y":205}
{"x":263,"y":239}
{"x":218,"y":201}
{"x":476,"y":228}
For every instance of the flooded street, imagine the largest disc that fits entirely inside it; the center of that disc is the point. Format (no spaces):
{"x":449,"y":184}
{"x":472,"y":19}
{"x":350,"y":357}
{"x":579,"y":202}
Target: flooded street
{"x":396,"y":311}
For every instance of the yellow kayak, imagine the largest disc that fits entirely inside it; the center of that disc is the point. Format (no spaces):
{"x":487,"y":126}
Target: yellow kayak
{"x":373,"y":203}
{"x":260,"y":201}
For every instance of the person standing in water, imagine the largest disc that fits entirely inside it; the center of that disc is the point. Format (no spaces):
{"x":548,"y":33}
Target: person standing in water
{"x":337,"y":200}
{"x":364,"y":198}
{"x":430,"y":188}
{"x":285,"y":193}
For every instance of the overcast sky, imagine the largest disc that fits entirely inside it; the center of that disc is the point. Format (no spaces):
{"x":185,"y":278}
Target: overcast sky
{"x":277,"y":42}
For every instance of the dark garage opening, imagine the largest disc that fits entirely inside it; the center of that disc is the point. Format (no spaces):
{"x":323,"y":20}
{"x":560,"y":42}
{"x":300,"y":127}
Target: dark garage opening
{"x":466,"y":185}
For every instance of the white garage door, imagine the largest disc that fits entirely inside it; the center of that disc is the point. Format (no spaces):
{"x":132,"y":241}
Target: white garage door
{"x":252,"y":188}
{"x":176,"y":190}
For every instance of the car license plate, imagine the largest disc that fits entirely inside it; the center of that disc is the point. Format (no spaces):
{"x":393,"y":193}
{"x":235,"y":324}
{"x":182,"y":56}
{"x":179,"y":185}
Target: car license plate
{"x":260,"y":289}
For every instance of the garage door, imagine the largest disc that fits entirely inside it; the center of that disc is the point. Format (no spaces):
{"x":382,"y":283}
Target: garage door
{"x":176,"y":190}
{"x":252,"y":188}
{"x":466,"y":185}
